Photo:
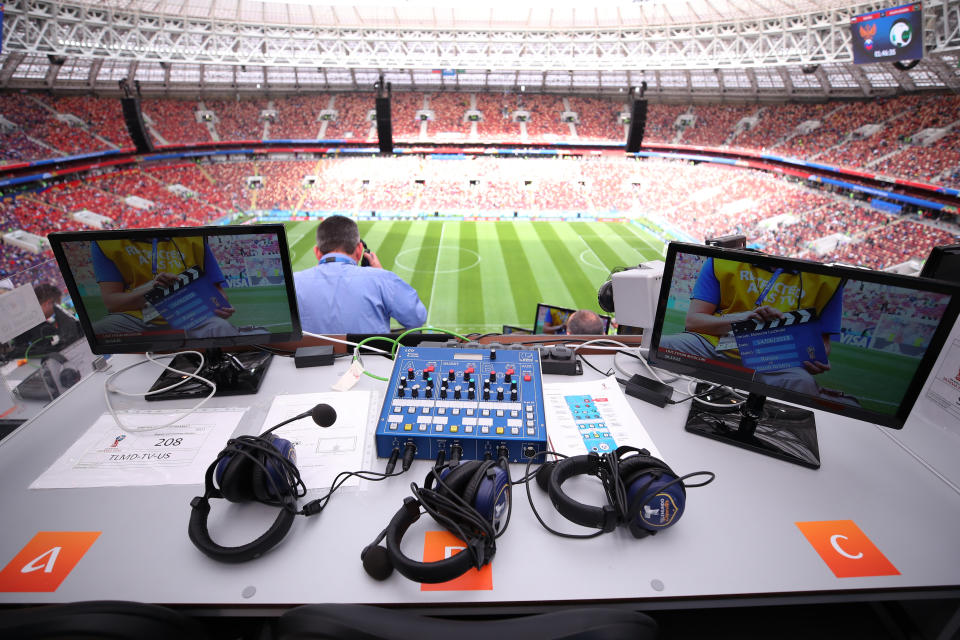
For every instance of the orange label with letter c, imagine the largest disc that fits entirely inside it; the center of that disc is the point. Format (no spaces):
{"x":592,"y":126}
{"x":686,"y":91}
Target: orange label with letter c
{"x":846,"y":549}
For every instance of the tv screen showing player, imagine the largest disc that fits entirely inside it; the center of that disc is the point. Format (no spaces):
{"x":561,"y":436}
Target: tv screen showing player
{"x":846,"y":340}
{"x":164,"y":289}
{"x":551,"y":320}
{"x":888,"y":35}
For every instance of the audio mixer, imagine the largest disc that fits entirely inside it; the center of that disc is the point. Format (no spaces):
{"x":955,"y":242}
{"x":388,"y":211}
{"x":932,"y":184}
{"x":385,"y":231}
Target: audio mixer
{"x":474,"y":403}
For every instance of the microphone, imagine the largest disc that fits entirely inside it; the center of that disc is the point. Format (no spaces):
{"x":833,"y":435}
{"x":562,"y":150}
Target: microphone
{"x":376,"y":560}
{"x":323,"y":414}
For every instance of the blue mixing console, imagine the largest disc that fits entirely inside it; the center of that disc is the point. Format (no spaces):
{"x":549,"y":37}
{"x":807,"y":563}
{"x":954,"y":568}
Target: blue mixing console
{"x":484,"y":402}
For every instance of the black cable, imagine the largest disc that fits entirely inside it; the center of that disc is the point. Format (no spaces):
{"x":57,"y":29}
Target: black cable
{"x":587,"y":362}
{"x":318,"y":505}
{"x":536,"y":513}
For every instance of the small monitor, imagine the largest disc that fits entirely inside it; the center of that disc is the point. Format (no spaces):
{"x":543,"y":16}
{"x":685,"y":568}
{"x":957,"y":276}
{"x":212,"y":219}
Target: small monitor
{"x":855,"y":342}
{"x":552,"y":320}
{"x":507,"y":329}
{"x":943,"y":263}
{"x":199,"y":288}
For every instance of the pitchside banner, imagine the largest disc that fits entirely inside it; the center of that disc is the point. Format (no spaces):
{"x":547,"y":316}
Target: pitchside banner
{"x":888,"y":35}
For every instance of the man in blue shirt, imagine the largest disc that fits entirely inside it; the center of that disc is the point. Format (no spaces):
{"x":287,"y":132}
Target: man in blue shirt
{"x":338,"y":296}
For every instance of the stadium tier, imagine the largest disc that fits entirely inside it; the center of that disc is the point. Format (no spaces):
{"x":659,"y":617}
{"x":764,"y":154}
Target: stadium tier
{"x":912,"y":136}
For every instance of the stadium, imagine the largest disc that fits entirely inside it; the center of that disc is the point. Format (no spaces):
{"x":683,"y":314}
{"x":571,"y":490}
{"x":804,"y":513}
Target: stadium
{"x":498,"y":158}
{"x":507,"y":182}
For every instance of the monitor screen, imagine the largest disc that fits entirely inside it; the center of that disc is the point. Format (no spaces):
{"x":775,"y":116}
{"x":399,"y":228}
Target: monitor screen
{"x":840,"y":339}
{"x":183,"y":288}
{"x":552,"y":320}
{"x":508,"y":329}
{"x":888,"y":35}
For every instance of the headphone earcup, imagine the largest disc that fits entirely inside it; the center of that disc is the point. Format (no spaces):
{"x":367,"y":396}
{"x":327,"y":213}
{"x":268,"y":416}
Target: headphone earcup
{"x":489,"y":490}
{"x":456,"y":479}
{"x":264,"y":483}
{"x":234,"y":475}
{"x":656,"y":505}
{"x":543,"y":475}
{"x":605,"y":295}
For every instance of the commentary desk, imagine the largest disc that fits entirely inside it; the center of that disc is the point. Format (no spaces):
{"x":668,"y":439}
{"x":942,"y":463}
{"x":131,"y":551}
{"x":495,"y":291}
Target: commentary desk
{"x":737,"y":543}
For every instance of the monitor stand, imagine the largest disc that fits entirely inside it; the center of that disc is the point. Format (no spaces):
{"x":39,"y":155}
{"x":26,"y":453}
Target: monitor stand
{"x":234,"y":374}
{"x":771,"y":428}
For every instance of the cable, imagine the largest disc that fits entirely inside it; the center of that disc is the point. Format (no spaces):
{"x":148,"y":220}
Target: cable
{"x":148,"y":357}
{"x":339,"y":341}
{"x":527,"y":477}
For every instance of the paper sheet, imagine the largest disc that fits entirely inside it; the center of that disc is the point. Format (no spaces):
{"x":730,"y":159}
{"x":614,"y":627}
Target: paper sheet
{"x":944,"y":386}
{"x":108,"y":456}
{"x":592,"y":416}
{"x":322,"y":453}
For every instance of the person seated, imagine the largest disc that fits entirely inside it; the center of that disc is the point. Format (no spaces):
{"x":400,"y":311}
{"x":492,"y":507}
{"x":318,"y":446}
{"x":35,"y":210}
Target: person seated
{"x":58,"y":329}
{"x":337,"y":296}
{"x":585,"y":323}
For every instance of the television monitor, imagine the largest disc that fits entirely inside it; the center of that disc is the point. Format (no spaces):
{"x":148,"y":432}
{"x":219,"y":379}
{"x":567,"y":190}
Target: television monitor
{"x":943,"y":263}
{"x":849,"y":341}
{"x":552,"y":320}
{"x":194,"y":288}
{"x":888,"y":35}
{"x":508,"y":329}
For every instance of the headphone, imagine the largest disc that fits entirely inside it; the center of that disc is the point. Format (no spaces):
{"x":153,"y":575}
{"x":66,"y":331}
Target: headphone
{"x":643,"y":492}
{"x":255,"y":469}
{"x":471,"y":500}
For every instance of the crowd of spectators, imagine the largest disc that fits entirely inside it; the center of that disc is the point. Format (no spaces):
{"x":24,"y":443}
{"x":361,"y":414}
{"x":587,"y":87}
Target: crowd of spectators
{"x":497,"y":110}
{"x":353,"y":116}
{"x":298,"y":117}
{"x":599,"y":118}
{"x":175,"y":121}
{"x":41,"y":123}
{"x":449,"y":110}
{"x":238,"y":119}
{"x":403,"y":114}
{"x":104,"y":116}
{"x":546,"y":122}
{"x":893,"y":150}
{"x":715,"y":123}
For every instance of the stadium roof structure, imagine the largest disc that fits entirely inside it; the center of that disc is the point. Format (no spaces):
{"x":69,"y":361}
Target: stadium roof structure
{"x":684,"y":50}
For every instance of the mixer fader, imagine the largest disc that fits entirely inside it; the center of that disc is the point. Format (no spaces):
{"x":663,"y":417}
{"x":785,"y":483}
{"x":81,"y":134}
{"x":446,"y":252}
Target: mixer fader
{"x":469,"y":403}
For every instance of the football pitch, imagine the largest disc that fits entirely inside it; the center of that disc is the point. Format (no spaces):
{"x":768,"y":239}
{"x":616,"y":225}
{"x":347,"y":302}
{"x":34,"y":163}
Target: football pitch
{"x":478,"y":276}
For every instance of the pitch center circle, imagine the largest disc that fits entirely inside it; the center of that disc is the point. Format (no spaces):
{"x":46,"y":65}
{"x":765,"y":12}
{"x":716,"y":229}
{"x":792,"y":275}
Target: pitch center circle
{"x":398,"y":262}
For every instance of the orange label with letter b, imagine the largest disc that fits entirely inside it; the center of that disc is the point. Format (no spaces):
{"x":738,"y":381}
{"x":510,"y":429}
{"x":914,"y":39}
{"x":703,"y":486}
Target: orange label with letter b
{"x":846,"y":549}
{"x":440,"y":545}
{"x":46,"y":561}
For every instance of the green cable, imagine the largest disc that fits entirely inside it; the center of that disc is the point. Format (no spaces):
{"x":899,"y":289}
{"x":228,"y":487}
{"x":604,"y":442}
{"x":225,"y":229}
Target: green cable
{"x":356,"y":354}
{"x":26,"y":352}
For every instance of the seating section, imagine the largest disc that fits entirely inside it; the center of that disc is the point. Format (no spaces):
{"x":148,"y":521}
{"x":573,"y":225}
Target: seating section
{"x":693,"y":200}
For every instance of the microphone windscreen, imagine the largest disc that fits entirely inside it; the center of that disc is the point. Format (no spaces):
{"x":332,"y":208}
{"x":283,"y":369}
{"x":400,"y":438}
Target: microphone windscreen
{"x":324,"y":415}
{"x":376,"y":562}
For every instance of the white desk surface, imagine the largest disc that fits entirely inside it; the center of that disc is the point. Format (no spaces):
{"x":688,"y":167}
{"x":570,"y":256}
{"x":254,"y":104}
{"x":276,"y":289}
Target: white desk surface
{"x":736,"y":539}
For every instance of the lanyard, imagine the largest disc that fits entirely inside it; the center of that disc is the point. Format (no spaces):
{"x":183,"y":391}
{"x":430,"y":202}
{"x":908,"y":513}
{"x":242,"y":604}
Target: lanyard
{"x":766,"y":290}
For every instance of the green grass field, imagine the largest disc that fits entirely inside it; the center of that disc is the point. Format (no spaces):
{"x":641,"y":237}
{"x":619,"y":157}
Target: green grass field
{"x":478,"y":276}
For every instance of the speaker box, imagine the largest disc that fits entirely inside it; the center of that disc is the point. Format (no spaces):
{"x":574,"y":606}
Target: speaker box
{"x":134,"y":119}
{"x":638,"y":122}
{"x":384,"y":126}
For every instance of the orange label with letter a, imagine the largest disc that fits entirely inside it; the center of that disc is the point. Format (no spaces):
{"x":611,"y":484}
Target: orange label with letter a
{"x":846,"y":549}
{"x":46,"y":560}
{"x":440,"y":545}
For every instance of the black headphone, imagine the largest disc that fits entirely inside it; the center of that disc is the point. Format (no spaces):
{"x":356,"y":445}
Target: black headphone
{"x":255,"y":468}
{"x":470,"y":500}
{"x":643,"y":492}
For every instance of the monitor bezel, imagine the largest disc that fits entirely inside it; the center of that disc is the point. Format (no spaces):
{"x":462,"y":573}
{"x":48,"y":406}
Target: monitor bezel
{"x":606,"y":319}
{"x":766,"y":261}
{"x":141,"y":344}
